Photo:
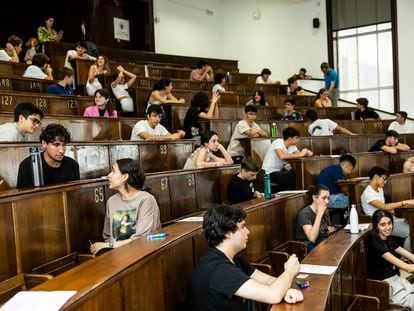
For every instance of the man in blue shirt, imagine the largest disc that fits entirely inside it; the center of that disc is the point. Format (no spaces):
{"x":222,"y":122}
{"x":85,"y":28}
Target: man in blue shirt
{"x":331,"y":174}
{"x":65,"y":77}
{"x":331,"y":83}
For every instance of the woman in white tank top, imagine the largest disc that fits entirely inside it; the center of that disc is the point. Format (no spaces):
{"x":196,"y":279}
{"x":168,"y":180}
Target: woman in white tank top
{"x":101,"y":66}
{"x":120,"y":86}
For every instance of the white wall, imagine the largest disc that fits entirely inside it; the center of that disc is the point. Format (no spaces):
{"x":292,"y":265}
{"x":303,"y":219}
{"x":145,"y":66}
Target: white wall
{"x":183,"y":30}
{"x":282,"y":40}
{"x":405,"y":18}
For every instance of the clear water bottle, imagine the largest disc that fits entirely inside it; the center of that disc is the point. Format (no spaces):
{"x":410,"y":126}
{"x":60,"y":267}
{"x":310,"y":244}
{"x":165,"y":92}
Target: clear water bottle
{"x":353,"y":219}
{"x":146,"y":73}
{"x":37,"y":167}
{"x":229,"y":77}
{"x":266,"y":187}
{"x":274,"y":130}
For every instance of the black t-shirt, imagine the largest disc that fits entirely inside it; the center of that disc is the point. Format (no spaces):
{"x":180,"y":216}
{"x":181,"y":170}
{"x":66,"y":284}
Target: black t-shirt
{"x":240,"y":190}
{"x":377,"y":146}
{"x":366,"y":114}
{"x":192,"y":126}
{"x":67,"y":171}
{"x":307,"y":216}
{"x":295,"y":91}
{"x":378,"y":267}
{"x":214,"y":281}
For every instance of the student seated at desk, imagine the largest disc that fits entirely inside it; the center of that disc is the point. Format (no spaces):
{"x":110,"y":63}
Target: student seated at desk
{"x":275,"y":163}
{"x":241,"y":187}
{"x":313,"y":224}
{"x":373,"y":199}
{"x":120,"y":85}
{"x":258,"y":99}
{"x":223,"y":280}
{"x":132,"y":211}
{"x":151,"y":129}
{"x":39,"y":68}
{"x":57,"y":168}
{"x":390,"y":144}
{"x":27,"y":119}
{"x":329,"y":177}
{"x":384,"y":260}
{"x":203,"y":156}
{"x":101,"y":66}
{"x":12,"y":50}
{"x":102,"y":106}
{"x":244,"y":128}
{"x":65,"y":80}
{"x":219,"y":83}
{"x":203,"y":72}
{"x":323,"y":127}
{"x":290,"y":113}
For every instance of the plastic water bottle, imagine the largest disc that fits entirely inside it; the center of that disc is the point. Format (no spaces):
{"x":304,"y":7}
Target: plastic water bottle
{"x":353,"y":219}
{"x":274,"y":129}
{"x":37,"y":167}
{"x":229,"y":77}
{"x":266,"y":187}
{"x":146,"y":73}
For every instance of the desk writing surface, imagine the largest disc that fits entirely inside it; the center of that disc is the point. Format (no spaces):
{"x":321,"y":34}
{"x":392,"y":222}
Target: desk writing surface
{"x":331,"y":252}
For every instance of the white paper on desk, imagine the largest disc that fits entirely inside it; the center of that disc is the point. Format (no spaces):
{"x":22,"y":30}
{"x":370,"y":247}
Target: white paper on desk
{"x":291,"y":191}
{"x":361,"y":227}
{"x":194,"y":218}
{"x":38,"y":301}
{"x":317,"y":269}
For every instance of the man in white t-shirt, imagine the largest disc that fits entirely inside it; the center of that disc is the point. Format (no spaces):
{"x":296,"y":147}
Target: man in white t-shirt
{"x":40,"y":68}
{"x":264,"y":77}
{"x":27,"y":119}
{"x":12,"y":50}
{"x":400,"y":125}
{"x":373,"y":198}
{"x":151,"y":129}
{"x":275,"y":163}
{"x":323,"y":127}
{"x":245,"y":128}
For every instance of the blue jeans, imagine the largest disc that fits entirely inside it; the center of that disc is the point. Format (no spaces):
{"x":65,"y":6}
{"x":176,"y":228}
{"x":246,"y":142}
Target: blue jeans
{"x":338,"y":200}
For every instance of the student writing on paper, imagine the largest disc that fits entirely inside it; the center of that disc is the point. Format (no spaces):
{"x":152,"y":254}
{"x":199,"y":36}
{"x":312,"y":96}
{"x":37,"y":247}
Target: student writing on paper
{"x":313,"y":224}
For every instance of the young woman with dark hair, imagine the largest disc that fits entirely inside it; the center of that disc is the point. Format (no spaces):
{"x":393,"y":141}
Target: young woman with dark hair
{"x":128,"y":179}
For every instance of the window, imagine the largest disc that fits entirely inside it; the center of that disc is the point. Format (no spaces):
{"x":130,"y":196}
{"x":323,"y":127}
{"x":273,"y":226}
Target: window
{"x":365,"y":61}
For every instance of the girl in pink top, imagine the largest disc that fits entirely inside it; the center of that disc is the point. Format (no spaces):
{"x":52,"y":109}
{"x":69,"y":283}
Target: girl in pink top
{"x":102,"y":106}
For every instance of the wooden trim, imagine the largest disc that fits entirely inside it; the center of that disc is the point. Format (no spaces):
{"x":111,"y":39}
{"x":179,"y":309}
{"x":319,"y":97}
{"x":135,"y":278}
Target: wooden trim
{"x":396,"y":71}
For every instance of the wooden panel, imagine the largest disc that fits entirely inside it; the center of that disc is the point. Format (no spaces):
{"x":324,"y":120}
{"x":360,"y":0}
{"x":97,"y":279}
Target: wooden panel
{"x":86,"y":214}
{"x":108,"y":298}
{"x":257,"y":243}
{"x":8,"y":267}
{"x":207,"y":188}
{"x":199,"y":245}
{"x":160,"y":189}
{"x":41,"y":230}
{"x":274,"y":224}
{"x":153,"y":157}
{"x":177,"y":264}
{"x":14,"y":156}
{"x":93,"y":160}
{"x":143,"y":286}
{"x":178,"y":154}
{"x":117,"y":152}
{"x":183,"y":194}
{"x":223,"y":130}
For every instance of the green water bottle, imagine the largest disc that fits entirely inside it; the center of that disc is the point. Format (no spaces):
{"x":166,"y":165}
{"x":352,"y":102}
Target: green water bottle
{"x":274,"y":130}
{"x":266,"y":187}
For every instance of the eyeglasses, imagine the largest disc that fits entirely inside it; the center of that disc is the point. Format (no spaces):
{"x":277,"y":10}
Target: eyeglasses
{"x":384,"y":177}
{"x":36,"y":122}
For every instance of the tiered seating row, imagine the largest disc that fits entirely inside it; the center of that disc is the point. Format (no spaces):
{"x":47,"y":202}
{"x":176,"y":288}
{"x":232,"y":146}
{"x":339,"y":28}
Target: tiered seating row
{"x":95,"y":159}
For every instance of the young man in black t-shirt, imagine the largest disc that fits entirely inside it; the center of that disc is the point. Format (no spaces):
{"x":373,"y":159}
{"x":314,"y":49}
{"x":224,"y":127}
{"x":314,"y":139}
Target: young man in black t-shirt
{"x":223,"y":280}
{"x":241,"y":187}
{"x":363,"y":112}
{"x":390,"y":144}
{"x":57,"y":168}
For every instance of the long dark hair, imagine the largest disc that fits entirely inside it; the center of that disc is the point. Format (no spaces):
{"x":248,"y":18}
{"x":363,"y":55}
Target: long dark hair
{"x":160,"y":85}
{"x":262,"y":97}
{"x":109,"y":105}
{"x":376,"y":218}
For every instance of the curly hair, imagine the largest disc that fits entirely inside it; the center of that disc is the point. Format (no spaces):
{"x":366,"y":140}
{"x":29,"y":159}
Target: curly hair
{"x":219,"y":220}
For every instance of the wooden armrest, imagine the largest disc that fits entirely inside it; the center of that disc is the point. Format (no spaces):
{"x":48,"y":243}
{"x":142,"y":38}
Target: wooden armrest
{"x":364,"y":303}
{"x":379,"y":289}
{"x":33,"y":279}
{"x":85,"y":257}
{"x":277,"y":260}
{"x":262,"y":267}
{"x":293,"y":247}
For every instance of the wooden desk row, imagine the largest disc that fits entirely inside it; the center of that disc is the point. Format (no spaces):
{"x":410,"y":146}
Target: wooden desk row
{"x":320,"y":145}
{"x":85,"y":129}
{"x":39,"y":226}
{"x":225,"y":129}
{"x":95,"y":159}
{"x":157,"y":272}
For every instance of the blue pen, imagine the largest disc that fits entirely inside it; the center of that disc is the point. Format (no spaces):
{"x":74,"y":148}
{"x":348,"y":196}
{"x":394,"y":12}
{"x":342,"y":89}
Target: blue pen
{"x":156,"y":236}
